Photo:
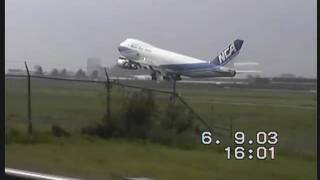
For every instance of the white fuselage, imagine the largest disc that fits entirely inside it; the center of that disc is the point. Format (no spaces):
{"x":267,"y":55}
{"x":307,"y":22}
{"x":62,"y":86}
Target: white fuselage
{"x":163,"y":60}
{"x":148,"y":54}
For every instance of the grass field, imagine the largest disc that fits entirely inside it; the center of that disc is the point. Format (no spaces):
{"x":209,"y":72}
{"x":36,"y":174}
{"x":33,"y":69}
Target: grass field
{"x":75,"y":105}
{"x":115,"y":158}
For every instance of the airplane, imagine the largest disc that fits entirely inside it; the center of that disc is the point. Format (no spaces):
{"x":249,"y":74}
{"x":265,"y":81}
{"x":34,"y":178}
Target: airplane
{"x":167,"y":65}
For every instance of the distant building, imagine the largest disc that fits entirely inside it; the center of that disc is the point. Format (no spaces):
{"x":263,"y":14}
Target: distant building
{"x":16,"y":72}
{"x":93,"y":64}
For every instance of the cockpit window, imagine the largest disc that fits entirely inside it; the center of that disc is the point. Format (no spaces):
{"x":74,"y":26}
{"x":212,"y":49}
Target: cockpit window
{"x":133,"y":45}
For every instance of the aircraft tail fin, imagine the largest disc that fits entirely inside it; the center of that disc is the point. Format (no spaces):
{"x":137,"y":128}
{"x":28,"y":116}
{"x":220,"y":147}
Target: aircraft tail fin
{"x":228,"y":53}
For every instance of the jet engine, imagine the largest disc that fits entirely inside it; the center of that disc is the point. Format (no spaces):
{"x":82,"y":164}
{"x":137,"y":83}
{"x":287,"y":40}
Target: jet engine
{"x":126,"y":64}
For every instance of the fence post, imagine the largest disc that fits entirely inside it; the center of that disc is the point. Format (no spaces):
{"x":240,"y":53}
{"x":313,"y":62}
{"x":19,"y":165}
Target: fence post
{"x":29,"y":101}
{"x":108,"y":94}
{"x":174,"y":92}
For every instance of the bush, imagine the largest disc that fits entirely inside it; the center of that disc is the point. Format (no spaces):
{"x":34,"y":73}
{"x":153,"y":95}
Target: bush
{"x":59,"y":131}
{"x":140,"y":118}
{"x":12,"y":135}
{"x":15,"y":136}
{"x":176,"y":127}
{"x":138,"y":114}
{"x":105,"y":129}
{"x":177,"y":118}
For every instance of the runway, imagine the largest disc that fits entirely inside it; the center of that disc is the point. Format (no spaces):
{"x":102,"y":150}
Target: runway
{"x":254,"y":104}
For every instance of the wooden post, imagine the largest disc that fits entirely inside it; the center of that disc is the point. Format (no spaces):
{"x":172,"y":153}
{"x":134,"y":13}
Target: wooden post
{"x":174,"y":91}
{"x":108,"y":94}
{"x":29,"y":101}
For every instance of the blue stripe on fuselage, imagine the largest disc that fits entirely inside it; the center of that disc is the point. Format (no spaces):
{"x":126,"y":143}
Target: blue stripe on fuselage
{"x":189,"y":67}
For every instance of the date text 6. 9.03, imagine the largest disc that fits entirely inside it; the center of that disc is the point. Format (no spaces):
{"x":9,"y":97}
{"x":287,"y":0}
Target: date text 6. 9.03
{"x":261,"y":147}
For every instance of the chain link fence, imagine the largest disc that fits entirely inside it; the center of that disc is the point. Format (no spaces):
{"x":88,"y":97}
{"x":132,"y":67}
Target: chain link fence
{"x":74,"y":104}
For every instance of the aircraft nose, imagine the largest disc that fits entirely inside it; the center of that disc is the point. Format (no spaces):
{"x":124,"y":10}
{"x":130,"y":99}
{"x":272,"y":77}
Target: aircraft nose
{"x":122,"y":48}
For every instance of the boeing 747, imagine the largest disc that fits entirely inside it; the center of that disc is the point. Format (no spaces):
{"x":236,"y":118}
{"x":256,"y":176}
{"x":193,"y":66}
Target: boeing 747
{"x":168,"y":65}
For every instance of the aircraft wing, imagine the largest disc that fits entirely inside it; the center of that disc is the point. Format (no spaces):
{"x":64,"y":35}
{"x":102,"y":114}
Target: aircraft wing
{"x":157,"y":72}
{"x":246,"y":64}
{"x":147,"y":63}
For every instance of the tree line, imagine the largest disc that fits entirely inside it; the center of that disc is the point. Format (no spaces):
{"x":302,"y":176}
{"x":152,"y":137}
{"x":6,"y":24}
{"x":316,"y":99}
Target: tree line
{"x":64,"y":73}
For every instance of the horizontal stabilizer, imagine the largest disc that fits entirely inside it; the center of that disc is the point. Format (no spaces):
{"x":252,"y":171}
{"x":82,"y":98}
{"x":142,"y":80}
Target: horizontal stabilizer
{"x":248,"y":71}
{"x":246,"y":64}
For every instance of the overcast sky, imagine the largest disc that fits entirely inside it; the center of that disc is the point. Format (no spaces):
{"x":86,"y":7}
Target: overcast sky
{"x":280,"y":35}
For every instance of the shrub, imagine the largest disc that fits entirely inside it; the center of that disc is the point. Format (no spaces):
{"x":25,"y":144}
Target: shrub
{"x":138,"y":114}
{"x":15,"y":136}
{"x":58,"y":131}
{"x":140,"y":118}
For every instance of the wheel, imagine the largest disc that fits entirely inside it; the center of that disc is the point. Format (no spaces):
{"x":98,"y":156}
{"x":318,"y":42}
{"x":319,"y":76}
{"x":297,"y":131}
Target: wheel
{"x":167,"y":78}
{"x":177,"y":77}
{"x":154,"y":76}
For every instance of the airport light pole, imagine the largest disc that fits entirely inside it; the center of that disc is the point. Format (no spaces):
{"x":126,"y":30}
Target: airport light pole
{"x":29,"y":101}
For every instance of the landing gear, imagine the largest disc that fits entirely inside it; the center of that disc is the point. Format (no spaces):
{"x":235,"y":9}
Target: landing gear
{"x":167,"y":78}
{"x":155,"y":75}
{"x":174,"y":77}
